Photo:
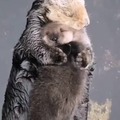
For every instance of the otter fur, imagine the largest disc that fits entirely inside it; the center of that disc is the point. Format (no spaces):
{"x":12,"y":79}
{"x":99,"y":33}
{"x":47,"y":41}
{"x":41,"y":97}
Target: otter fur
{"x":54,"y":97}
{"x":57,"y":92}
{"x":56,"y":34}
{"x":31,"y":51}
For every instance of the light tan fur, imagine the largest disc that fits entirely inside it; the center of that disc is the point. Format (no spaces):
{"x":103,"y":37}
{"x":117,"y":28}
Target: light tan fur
{"x":72,"y":13}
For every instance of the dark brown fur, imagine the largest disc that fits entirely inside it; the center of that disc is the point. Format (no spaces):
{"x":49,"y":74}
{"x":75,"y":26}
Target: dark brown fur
{"x":57,"y":92}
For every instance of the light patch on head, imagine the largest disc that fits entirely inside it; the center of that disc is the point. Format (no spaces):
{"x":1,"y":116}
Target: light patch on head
{"x":69,"y":12}
{"x":82,"y":2}
{"x":64,"y":3}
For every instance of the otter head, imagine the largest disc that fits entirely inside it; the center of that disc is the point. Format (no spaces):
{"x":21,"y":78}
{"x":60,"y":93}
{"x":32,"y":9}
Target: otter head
{"x":55,"y":34}
{"x":72,"y":13}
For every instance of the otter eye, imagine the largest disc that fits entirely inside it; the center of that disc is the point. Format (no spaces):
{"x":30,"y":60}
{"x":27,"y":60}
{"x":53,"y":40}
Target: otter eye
{"x":54,"y":37}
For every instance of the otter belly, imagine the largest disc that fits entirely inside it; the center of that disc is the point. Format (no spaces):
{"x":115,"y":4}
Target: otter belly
{"x":56,"y":92}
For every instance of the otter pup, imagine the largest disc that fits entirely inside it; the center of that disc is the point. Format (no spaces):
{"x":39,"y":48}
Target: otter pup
{"x":58,"y":90}
{"x":56,"y":34}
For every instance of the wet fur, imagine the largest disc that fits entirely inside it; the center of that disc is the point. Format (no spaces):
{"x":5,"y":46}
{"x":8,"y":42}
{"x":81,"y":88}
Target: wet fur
{"x":25,"y":59}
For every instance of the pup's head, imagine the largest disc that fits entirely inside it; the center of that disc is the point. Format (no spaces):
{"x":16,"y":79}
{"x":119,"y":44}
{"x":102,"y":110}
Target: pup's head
{"x":72,"y":13}
{"x":54,"y":34}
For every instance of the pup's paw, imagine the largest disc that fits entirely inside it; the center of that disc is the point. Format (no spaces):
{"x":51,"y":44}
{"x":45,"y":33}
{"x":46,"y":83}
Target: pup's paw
{"x":60,"y":57}
{"x":87,"y":58}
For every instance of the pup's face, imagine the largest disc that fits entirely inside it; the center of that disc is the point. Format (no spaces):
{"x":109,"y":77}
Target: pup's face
{"x":55,"y":34}
{"x":72,"y":13}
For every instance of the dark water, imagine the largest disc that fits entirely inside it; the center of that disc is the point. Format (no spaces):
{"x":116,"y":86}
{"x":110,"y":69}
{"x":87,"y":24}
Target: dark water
{"x":104,"y":32}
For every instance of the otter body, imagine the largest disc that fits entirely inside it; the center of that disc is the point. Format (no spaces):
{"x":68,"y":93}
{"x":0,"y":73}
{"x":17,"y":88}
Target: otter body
{"x":57,"y":92}
{"x":30,"y":51}
{"x":71,"y":74}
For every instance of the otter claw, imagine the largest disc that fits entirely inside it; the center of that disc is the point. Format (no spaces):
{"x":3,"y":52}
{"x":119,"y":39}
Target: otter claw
{"x":61,"y":57}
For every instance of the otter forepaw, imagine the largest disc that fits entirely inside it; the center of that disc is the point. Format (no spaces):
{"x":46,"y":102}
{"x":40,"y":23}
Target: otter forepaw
{"x":87,"y":58}
{"x":60,"y":57}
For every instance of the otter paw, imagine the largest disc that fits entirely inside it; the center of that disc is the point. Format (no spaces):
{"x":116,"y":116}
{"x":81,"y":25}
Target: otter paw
{"x":87,"y":58}
{"x":60,"y":57}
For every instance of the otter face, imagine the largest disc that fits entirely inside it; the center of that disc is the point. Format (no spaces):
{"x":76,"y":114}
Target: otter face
{"x":55,"y":34}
